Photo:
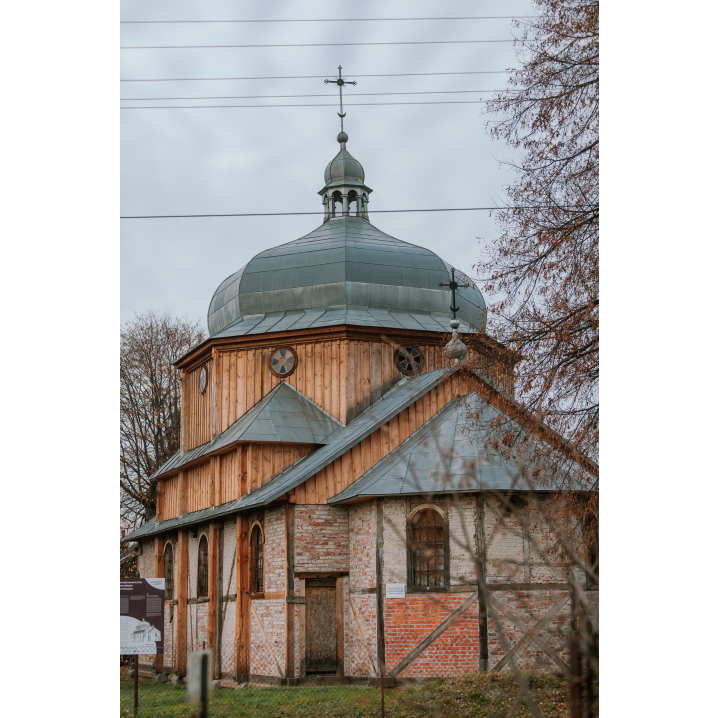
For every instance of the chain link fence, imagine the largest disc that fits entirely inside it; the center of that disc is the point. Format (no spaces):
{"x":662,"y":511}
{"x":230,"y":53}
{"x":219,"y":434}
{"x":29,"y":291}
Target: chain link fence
{"x":266,"y":683}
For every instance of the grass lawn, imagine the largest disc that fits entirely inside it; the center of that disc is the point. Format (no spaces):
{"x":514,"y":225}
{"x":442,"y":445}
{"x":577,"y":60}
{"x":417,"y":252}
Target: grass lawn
{"x":467,"y":696}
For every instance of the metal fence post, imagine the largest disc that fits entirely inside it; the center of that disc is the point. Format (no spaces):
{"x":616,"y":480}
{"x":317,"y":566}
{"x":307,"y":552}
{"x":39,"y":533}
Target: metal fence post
{"x":137,"y":679}
{"x":203,"y":687}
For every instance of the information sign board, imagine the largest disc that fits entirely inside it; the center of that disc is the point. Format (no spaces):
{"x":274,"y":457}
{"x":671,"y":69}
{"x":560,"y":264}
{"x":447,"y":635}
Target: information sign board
{"x":396,"y":590}
{"x":142,"y":622}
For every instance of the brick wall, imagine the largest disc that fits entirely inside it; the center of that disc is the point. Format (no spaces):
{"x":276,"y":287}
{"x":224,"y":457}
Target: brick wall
{"x":394,"y":534}
{"x":362,"y":543}
{"x":461,"y":514}
{"x":530,"y":606}
{"x":321,"y":538}
{"x":505,"y":544}
{"x":275,"y":568}
{"x":272,"y":614}
{"x":408,"y":621}
{"x":359,"y":662}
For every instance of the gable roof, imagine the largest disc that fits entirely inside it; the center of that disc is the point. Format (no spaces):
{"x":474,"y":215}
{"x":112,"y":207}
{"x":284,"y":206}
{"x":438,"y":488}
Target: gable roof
{"x":285,"y":416}
{"x":445,"y":455}
{"x":401,"y":395}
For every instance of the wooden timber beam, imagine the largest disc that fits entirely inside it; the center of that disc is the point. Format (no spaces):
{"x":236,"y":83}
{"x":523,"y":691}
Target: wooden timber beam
{"x":243,"y":621}
{"x":380,"y":637}
{"x":446,"y":623}
{"x":530,"y":633}
{"x":160,"y":573}
{"x":483,"y":593}
{"x":215,"y":590}
{"x":182,"y":580}
{"x":289,"y":565}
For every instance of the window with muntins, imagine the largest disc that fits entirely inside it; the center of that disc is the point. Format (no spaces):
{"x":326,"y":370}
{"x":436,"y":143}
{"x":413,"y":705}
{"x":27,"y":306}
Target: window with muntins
{"x":428,"y":564}
{"x":256,"y":549}
{"x":169,"y":573}
{"x":203,"y":569}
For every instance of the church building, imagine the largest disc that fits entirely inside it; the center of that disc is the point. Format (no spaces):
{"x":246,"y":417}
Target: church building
{"x":332,"y":510}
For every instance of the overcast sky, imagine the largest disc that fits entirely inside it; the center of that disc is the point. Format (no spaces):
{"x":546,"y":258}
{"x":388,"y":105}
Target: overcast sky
{"x":198,"y":161}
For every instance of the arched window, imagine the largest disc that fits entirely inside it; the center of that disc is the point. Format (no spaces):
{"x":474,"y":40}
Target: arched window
{"x":203,"y":568}
{"x":256,"y":558}
{"x":352,"y":203}
{"x":337,"y":209}
{"x":428,"y":551}
{"x":169,"y":572}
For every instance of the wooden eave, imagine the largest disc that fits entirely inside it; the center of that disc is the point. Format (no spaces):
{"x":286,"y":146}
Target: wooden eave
{"x":200,"y":354}
{"x":220,"y":452}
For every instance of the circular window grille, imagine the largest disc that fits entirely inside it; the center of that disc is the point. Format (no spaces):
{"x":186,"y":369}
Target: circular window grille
{"x":203,"y":379}
{"x":283,"y":362}
{"x":408,"y":360}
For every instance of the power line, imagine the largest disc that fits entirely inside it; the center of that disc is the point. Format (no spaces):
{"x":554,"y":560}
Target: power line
{"x":353,"y":94}
{"x":313,"y":77}
{"x":294,"y":214}
{"x":336,"y":19}
{"x":309,"y":44}
{"x":346,"y":104}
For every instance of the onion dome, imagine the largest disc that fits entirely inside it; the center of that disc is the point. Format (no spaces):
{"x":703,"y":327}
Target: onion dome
{"x":343,"y":169}
{"x":345,"y":272}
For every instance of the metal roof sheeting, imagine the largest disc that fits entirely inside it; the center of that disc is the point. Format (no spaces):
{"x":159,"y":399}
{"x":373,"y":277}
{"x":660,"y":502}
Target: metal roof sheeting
{"x":345,"y":264}
{"x":401,"y":395}
{"x":285,"y":416}
{"x":446,"y":455}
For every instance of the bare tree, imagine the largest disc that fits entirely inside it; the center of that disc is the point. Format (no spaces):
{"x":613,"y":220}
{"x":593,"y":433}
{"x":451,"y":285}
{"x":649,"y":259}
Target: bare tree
{"x":542,"y":271}
{"x":149,"y":404}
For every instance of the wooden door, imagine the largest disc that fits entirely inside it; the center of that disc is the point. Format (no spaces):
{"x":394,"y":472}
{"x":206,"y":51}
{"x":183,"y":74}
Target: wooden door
{"x":321,"y":650}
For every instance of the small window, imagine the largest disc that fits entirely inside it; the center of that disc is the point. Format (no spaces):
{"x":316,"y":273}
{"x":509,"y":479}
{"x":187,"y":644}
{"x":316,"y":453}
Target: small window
{"x":427,"y":551}
{"x":256,"y":549}
{"x":408,"y":360}
{"x":169,"y":572}
{"x":203,"y":569}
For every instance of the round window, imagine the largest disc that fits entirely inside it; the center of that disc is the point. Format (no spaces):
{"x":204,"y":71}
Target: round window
{"x":283,"y":362}
{"x":408,"y":360}
{"x":203,"y":379}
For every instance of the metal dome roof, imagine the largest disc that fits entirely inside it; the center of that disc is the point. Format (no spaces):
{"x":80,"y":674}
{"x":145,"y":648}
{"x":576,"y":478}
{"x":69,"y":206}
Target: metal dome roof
{"x":344,"y":272}
{"x":343,"y":168}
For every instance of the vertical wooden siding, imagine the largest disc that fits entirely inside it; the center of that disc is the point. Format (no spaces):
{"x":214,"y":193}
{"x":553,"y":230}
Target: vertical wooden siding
{"x":259,"y":462}
{"x":343,"y":377}
{"x":199,"y":483}
{"x":197,"y":423}
{"x":335,"y":477}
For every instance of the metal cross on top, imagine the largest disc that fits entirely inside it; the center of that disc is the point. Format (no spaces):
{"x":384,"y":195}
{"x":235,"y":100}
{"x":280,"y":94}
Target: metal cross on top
{"x":453,"y":285}
{"x":340,"y":82}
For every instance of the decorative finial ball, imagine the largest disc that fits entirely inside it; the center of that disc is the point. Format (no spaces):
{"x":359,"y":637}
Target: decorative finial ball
{"x":454,"y":323}
{"x":342,"y":137}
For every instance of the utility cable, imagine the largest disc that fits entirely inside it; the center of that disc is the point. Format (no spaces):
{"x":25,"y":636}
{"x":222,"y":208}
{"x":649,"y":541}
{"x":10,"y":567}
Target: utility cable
{"x":294,"y":214}
{"x":353,"y":94}
{"x":310,"y":44}
{"x":311,"y":77}
{"x":346,"y":104}
{"x":334,"y":19}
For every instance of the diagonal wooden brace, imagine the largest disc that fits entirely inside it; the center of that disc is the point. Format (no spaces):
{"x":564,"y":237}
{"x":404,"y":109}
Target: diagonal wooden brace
{"x":404,"y":662}
{"x":530,"y":633}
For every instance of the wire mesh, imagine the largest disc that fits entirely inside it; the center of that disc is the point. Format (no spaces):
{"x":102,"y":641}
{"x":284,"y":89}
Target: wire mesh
{"x":261,"y":680}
